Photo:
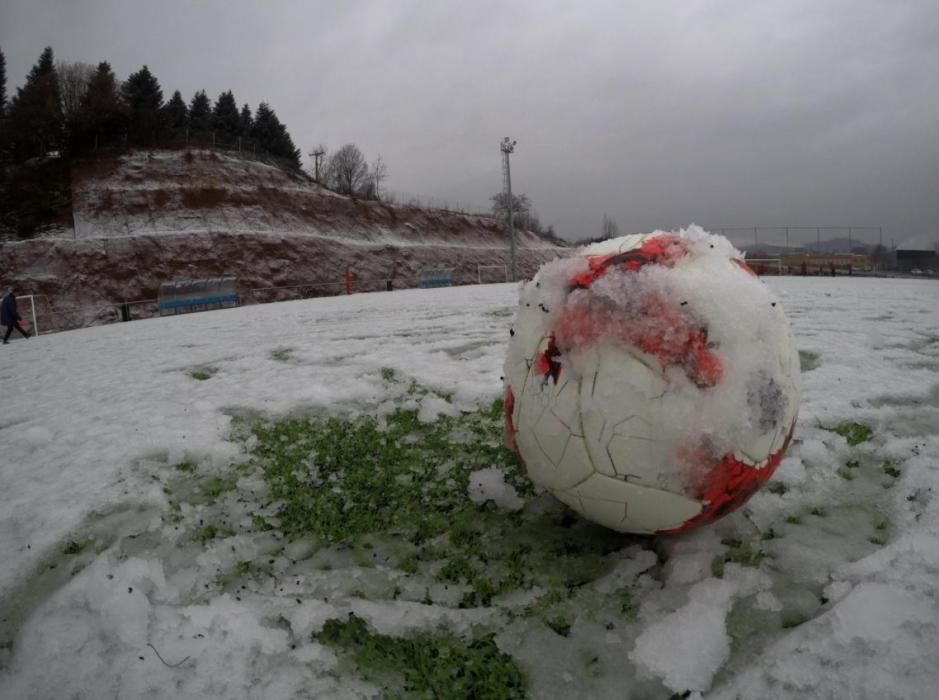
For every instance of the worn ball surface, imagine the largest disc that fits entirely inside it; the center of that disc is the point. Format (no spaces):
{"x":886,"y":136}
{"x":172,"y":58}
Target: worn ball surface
{"x":652,"y":381}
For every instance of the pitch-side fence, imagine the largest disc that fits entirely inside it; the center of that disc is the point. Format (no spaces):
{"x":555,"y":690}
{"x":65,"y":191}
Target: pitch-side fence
{"x":55,"y":316}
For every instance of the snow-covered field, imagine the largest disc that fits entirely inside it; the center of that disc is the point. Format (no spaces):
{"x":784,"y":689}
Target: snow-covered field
{"x":143,"y":555}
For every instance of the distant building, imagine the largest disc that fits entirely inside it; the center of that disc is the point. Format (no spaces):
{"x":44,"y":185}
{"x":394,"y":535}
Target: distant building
{"x":919,"y":253}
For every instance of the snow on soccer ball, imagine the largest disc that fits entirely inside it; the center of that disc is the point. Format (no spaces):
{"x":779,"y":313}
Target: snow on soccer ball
{"x":652,"y":381}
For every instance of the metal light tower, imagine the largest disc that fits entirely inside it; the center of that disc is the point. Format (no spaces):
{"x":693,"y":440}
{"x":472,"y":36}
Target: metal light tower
{"x":508,"y":146}
{"x":317,"y":153}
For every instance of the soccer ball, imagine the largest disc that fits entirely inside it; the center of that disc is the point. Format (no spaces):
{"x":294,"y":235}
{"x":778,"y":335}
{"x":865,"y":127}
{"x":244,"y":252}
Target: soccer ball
{"x":652,"y":381}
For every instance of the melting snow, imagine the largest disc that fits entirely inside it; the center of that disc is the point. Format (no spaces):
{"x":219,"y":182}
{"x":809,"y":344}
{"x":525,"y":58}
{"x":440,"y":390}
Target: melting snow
{"x":840,"y":602}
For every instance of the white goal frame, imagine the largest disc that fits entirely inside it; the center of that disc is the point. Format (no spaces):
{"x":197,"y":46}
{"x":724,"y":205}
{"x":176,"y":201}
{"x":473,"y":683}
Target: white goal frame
{"x":769,"y":262}
{"x":480,"y":268}
{"x":32,"y":310}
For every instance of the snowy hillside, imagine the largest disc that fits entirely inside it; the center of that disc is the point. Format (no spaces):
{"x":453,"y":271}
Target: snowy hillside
{"x":191,"y":510}
{"x":158,"y":192}
{"x":151,"y":217}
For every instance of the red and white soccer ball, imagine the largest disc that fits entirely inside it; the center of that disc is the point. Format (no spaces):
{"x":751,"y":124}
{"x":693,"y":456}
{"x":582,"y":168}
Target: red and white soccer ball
{"x":652,"y":381}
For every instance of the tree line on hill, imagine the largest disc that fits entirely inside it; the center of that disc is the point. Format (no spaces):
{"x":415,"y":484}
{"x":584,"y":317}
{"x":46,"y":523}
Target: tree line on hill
{"x":74,"y":108}
{"x":67,"y":109}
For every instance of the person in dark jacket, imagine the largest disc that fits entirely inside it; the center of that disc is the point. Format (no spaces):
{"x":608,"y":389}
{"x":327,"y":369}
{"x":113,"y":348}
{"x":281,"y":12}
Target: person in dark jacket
{"x":10,"y":317}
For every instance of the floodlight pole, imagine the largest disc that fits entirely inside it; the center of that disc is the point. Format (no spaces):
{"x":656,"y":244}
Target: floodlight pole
{"x":508,"y":146}
{"x":317,"y":154}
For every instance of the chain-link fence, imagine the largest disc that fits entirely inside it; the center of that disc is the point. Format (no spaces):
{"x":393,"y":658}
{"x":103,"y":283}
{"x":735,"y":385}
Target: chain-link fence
{"x":453,"y":206}
{"x":808,"y":239}
{"x":246,"y":148}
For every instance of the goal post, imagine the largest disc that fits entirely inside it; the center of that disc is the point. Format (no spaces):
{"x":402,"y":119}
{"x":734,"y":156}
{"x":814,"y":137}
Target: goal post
{"x":32,"y":310}
{"x":48,"y":317}
{"x":493,"y":273}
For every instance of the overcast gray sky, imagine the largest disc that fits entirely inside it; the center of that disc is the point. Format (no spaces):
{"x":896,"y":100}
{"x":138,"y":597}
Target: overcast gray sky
{"x":798,"y":112}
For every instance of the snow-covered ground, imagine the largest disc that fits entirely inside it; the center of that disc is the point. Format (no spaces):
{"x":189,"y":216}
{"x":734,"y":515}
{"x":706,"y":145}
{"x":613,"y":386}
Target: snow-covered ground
{"x":824,"y":585}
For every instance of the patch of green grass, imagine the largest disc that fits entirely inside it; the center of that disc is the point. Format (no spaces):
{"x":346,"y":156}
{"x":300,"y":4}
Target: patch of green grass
{"x":343,"y":480}
{"x":742,"y":552}
{"x":206,"y":532}
{"x":424,"y":664}
{"x":340,"y":479}
{"x":854,"y":433}
{"x":209,"y":531}
{"x":261,"y":523}
{"x":793,"y":519}
{"x":629,"y":606}
{"x":187,"y":467}
{"x":559,"y":625}
{"x":482,"y":593}
{"x":243,"y":568}
{"x":388,"y":374}
{"x":777,"y":487}
{"x":504,"y":312}
{"x":543,"y":606}
{"x":457,"y":569}
{"x":73,"y":547}
{"x":890,"y":468}
{"x":770,"y":534}
{"x":819,"y":511}
{"x":408,"y":564}
{"x":215,"y":486}
{"x":281,"y":354}
{"x":808,"y":360}
{"x":202,"y":373}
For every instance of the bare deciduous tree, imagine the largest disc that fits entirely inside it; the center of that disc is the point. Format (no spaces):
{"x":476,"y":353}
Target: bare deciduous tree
{"x":379,"y":173}
{"x":520,"y":207}
{"x":347,"y":171}
{"x":74,"y":78}
{"x":610,"y":229}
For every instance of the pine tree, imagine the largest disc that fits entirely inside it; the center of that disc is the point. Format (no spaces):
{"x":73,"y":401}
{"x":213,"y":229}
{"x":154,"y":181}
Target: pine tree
{"x":264,"y":126}
{"x":3,"y":84}
{"x":34,"y":193}
{"x":200,"y":116}
{"x":144,"y":99}
{"x":246,"y":121}
{"x":176,"y":116}
{"x":226,"y":121}
{"x":288,"y":150}
{"x":36,"y":125}
{"x":102,"y":114}
{"x":272,"y":136}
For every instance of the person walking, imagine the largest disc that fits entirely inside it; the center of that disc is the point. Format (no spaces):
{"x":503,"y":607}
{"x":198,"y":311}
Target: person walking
{"x":10,"y":317}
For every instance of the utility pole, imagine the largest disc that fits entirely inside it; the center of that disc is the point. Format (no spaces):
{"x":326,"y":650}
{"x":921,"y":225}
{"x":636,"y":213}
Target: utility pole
{"x":508,"y":146}
{"x":317,"y":154}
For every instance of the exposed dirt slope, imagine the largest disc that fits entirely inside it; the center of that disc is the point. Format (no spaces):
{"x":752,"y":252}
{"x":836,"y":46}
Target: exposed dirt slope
{"x":147,"y":218}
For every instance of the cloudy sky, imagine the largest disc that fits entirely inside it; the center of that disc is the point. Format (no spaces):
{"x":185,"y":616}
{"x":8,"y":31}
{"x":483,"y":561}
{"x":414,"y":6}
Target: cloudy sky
{"x":723,"y":113}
